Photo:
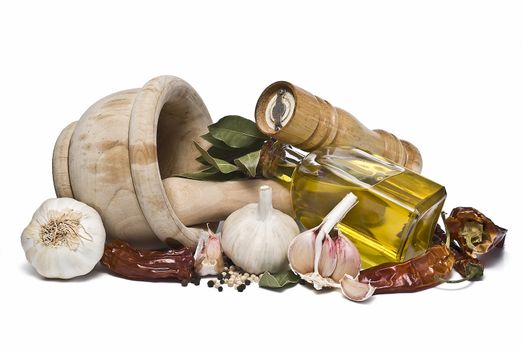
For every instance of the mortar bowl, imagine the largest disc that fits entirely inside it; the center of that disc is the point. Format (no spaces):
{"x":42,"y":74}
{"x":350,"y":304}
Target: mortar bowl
{"x":115,"y":157}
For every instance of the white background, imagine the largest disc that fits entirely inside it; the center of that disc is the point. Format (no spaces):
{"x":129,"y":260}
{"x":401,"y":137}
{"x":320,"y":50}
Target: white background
{"x":445,"y":75}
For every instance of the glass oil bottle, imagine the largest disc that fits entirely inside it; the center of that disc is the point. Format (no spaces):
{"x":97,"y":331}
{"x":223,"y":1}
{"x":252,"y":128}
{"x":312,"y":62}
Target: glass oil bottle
{"x":397,"y":209}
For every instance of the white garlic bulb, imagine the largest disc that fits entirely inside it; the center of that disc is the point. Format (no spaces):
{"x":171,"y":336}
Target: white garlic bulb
{"x":64,"y":239}
{"x":257,"y":236}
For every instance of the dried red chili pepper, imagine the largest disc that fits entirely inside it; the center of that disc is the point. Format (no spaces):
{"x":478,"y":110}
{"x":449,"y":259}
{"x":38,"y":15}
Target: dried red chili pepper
{"x":422,"y":272}
{"x":474,"y":232}
{"x":152,"y":265}
{"x":469,"y":268}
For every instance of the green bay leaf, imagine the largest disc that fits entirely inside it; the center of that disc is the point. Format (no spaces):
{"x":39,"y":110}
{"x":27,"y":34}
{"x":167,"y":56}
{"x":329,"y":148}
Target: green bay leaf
{"x":215,"y":142}
{"x":279,"y":280}
{"x":202,"y":160}
{"x":248,"y":163}
{"x":236,"y":131}
{"x":228,"y":155}
{"x":220,"y":164}
{"x":212,"y":174}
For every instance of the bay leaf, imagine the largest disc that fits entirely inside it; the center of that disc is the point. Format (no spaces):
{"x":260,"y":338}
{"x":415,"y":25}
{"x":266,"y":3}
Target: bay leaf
{"x":279,"y":280}
{"x":229,"y":155}
{"x":204,"y":174}
{"x":202,"y":160}
{"x":236,"y":131}
{"x":211,"y":174}
{"x":220,"y":164}
{"x":248,"y":163}
{"x":215,"y":142}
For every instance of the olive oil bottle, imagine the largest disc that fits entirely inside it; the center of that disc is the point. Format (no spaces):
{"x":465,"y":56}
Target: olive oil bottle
{"x":397,"y":209}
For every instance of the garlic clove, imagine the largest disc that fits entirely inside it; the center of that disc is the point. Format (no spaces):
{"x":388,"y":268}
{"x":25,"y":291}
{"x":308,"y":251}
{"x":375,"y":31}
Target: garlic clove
{"x":208,"y":258}
{"x":301,"y":252}
{"x":328,"y":259}
{"x":349,"y":261}
{"x":213,"y":247}
{"x":354,"y":290}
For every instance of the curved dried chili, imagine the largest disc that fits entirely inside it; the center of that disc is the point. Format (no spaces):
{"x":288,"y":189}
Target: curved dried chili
{"x":151,"y":265}
{"x":422,"y":272}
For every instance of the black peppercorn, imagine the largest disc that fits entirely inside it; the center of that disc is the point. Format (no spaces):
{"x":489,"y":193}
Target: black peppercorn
{"x":220,"y":289}
{"x":210,"y":284}
{"x":247,"y":282}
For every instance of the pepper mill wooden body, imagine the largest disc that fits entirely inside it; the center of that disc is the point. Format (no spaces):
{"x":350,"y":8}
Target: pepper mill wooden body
{"x":297,"y":117}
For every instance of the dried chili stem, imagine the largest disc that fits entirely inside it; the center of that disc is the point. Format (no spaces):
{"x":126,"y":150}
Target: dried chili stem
{"x":469,"y":277}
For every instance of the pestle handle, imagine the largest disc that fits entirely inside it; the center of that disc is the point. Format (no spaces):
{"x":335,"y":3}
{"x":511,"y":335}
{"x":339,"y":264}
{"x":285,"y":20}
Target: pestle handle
{"x":197,"y":202}
{"x":297,"y":117}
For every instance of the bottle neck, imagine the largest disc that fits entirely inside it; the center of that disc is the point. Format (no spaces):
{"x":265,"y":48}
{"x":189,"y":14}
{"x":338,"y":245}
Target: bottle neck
{"x":278,"y":160}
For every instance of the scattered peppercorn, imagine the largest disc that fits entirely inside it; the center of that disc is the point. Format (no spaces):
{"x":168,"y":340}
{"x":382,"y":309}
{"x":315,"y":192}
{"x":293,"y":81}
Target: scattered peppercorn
{"x":232,"y":277}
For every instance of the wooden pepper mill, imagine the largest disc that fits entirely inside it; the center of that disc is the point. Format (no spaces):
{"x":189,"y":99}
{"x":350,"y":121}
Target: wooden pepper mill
{"x":296,"y":117}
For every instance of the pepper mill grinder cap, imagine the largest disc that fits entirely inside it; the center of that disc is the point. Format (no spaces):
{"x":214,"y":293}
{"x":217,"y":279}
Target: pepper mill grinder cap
{"x":276,"y":110}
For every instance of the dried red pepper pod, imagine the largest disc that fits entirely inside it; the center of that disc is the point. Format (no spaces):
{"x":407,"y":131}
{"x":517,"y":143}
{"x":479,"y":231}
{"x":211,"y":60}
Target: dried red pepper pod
{"x":419,"y":273}
{"x":150,"y":265}
{"x":474,"y":232}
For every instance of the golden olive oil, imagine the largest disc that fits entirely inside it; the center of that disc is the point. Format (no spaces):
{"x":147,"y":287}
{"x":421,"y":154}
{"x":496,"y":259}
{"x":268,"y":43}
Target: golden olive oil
{"x":396,"y":211}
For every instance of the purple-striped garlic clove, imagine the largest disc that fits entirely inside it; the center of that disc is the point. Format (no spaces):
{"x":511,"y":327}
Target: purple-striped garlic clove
{"x":355,"y":290}
{"x":348,"y":258}
{"x":301,"y":252}
{"x":328,"y":259}
{"x":208,"y":257}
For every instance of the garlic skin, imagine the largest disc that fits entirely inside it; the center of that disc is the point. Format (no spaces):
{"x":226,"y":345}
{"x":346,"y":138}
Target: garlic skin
{"x":208,"y":258}
{"x":64,"y":239}
{"x":257,"y":236}
{"x":320,"y":259}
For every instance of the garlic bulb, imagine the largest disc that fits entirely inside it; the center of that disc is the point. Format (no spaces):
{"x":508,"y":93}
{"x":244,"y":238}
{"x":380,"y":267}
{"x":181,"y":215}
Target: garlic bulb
{"x":326,"y":261}
{"x":64,"y":239}
{"x":256,"y":237}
